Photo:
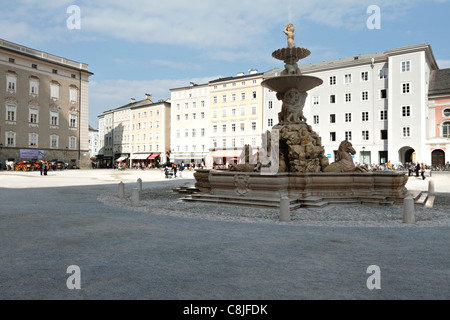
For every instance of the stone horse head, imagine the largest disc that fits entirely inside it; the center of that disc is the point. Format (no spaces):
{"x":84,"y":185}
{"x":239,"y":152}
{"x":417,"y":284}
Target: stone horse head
{"x":344,"y":160}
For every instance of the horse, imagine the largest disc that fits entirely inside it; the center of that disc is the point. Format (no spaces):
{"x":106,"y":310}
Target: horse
{"x":344,"y":160}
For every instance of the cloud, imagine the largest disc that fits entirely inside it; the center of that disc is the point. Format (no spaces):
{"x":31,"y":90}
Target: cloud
{"x":111,"y":94}
{"x":443,"y":64}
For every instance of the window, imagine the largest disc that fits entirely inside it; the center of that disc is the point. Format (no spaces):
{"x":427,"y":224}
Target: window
{"x":315,"y":100}
{"x":254,"y":95}
{"x":194,"y":116}
{"x":383,"y":134}
{"x":406,"y":132}
{"x":11,"y":80}
{"x":34,"y":86}
{"x":332,"y":136}
{"x":215,"y":99}
{"x":233,"y":142}
{"x":253,"y":142}
{"x":316,"y":119}
{"x":178,"y":107}
{"x":11,"y":139}
{"x":73,"y":120}
{"x":365,"y":116}
{"x":332,"y":80}
{"x":214,"y":143}
{"x":186,"y":133}
{"x":253,"y":126}
{"x":215,"y":128}
{"x":72,"y":142}
{"x":54,"y":118}
{"x":242,"y":142}
{"x":364,"y":95}
{"x":194,"y":133}
{"x":233,"y":111}
{"x":224,"y":98}
{"x":348,"y":78}
{"x":53,"y":141}
{"x":365,"y":135}
{"x":383,"y":74}
{"x":186,"y":116}
{"x":233,"y":127}
{"x":34,"y":66}
{"x":202,"y":104}
{"x":214,"y":113}
{"x":178,"y":133}
{"x":73,"y":93}
{"x":242,"y":110}
{"x":348,"y":117}
{"x":383,"y":94}
{"x":33,"y":116}
{"x":406,"y":66}
{"x":406,"y":88}
{"x":243,"y":96}
{"x":54,"y":91}
{"x":406,"y":111}
{"x":10,"y":113}
{"x":242,"y":127}
{"x":270,"y":104}
{"x":270,"y":122}
{"x":254,"y":109}
{"x":233,"y":97}
{"x":332,"y":118}
{"x":224,"y":128}
{"x":365,"y":76}
{"x":243,"y":83}
{"x":383,"y":115}
{"x":54,"y":71}
{"x":348,"y":97}
{"x":32,"y":140}
{"x":332,"y":98}
{"x":446,"y":112}
{"x":202,"y":132}
{"x":348,"y":135}
{"x":202,"y":115}
{"x":224,"y":112}
{"x":446,"y":129}
{"x":224,"y":143}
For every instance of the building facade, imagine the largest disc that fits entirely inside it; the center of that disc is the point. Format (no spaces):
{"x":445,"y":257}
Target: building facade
{"x":236,"y":115}
{"x":44,"y":103}
{"x":190,"y":124}
{"x":93,"y":142}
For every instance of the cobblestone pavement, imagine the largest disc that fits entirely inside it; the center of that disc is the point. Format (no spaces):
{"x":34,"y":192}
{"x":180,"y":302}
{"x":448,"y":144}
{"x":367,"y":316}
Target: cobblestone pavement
{"x":167,"y":249}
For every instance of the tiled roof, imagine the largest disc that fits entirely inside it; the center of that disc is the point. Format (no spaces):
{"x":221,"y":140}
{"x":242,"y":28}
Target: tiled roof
{"x":439,"y":82}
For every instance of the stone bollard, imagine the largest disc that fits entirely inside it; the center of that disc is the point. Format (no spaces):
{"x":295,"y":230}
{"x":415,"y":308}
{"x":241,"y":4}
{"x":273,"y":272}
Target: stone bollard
{"x":139,"y":184}
{"x":408,"y":211}
{"x":121,"y":190}
{"x":430,"y":186}
{"x":285,"y":211}
{"x":135,"y":197}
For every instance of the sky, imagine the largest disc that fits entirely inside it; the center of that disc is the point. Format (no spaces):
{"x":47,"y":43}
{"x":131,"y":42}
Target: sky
{"x":136,"y":47}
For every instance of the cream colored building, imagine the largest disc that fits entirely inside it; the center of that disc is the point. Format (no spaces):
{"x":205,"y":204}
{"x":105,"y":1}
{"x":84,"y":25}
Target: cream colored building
{"x":44,"y":106}
{"x":236,"y":115}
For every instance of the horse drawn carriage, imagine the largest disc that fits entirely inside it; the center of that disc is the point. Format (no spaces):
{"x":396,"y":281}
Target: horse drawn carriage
{"x":27,"y":166}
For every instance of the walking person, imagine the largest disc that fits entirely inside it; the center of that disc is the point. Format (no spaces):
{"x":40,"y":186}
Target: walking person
{"x":417,"y":169}
{"x":41,"y":167}
{"x":409,"y":169}
{"x":175,"y":169}
{"x":45,"y":168}
{"x":422,"y":171}
{"x":181,"y":170}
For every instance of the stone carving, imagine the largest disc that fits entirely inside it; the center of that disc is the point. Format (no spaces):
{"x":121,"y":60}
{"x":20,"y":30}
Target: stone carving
{"x":344,"y":161}
{"x":241,"y":184}
{"x":292,"y":107}
{"x":247,"y":166}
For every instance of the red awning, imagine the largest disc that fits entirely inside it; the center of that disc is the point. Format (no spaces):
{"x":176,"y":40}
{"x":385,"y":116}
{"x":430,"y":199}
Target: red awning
{"x":153,"y":156}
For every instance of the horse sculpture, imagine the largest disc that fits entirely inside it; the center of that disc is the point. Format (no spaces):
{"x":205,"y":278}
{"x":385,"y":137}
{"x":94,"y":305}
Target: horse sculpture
{"x":344,"y":161}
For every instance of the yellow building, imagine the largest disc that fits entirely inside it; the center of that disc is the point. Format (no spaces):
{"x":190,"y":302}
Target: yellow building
{"x":236,"y":115}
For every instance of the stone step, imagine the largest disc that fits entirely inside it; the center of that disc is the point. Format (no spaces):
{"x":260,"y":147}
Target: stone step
{"x":430,"y":202}
{"x":239,"y":198}
{"x":319,"y":204}
{"x":422,"y":199}
{"x":242,"y":202}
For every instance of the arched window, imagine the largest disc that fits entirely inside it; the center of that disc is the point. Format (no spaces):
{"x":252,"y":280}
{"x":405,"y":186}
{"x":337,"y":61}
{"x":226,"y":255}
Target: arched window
{"x":446,"y":129}
{"x":446,"y":112}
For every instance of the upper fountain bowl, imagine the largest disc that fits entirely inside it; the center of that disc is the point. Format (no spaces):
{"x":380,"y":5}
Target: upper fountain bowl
{"x":284,"y":83}
{"x":291,"y":53}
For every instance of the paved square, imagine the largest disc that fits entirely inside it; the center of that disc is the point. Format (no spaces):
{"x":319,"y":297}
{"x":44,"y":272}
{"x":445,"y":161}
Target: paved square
{"x":167,"y":249}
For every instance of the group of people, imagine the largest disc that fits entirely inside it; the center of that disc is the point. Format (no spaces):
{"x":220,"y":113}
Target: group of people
{"x":416,"y":168}
{"x":172,"y":170}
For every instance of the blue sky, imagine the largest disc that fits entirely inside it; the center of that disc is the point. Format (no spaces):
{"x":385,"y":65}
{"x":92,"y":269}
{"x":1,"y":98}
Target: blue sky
{"x":135,"y":47}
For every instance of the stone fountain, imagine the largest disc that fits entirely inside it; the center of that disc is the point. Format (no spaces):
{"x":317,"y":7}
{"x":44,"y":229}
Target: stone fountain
{"x":299,"y":168}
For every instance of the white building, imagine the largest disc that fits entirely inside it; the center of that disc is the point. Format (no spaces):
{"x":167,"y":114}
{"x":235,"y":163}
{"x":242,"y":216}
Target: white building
{"x":190,"y":124}
{"x":93,"y":142}
{"x":378,"y":101}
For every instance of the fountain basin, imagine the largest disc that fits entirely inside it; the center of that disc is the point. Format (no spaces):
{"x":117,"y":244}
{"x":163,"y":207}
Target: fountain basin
{"x":284,"y":83}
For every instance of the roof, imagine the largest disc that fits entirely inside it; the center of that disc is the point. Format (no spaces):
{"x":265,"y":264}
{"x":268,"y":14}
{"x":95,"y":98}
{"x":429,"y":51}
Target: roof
{"x":439,"y":82}
{"x":237,"y":77}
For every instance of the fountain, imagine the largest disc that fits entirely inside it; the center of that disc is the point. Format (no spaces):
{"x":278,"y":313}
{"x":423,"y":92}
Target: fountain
{"x":299,"y":168}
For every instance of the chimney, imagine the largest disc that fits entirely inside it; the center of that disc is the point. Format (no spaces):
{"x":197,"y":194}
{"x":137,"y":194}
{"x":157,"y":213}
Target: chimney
{"x":133,"y":100}
{"x":253,"y":71}
{"x":240,"y":74}
{"x":148,"y":97}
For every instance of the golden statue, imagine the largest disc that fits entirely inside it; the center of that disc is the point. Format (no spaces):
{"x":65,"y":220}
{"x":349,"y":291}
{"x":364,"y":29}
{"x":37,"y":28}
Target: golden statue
{"x":289,"y":31}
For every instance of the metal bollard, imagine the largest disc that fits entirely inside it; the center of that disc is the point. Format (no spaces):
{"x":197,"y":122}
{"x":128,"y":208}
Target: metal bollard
{"x":121,"y":193}
{"x":139,"y":184}
{"x":408,"y":211}
{"x":285,"y":211}
{"x":430,"y":186}
{"x":135,"y":197}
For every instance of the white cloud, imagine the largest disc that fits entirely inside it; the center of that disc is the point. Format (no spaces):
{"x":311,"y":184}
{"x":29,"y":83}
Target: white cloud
{"x":443,"y":64}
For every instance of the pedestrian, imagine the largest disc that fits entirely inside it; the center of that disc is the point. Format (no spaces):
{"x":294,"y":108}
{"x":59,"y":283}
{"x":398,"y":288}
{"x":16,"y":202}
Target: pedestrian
{"x":409,"y":169}
{"x":422,"y":171}
{"x":41,"y":165}
{"x":45,"y":168}
{"x":181,"y":168}
{"x":417,"y":169}
{"x":175,"y":169}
